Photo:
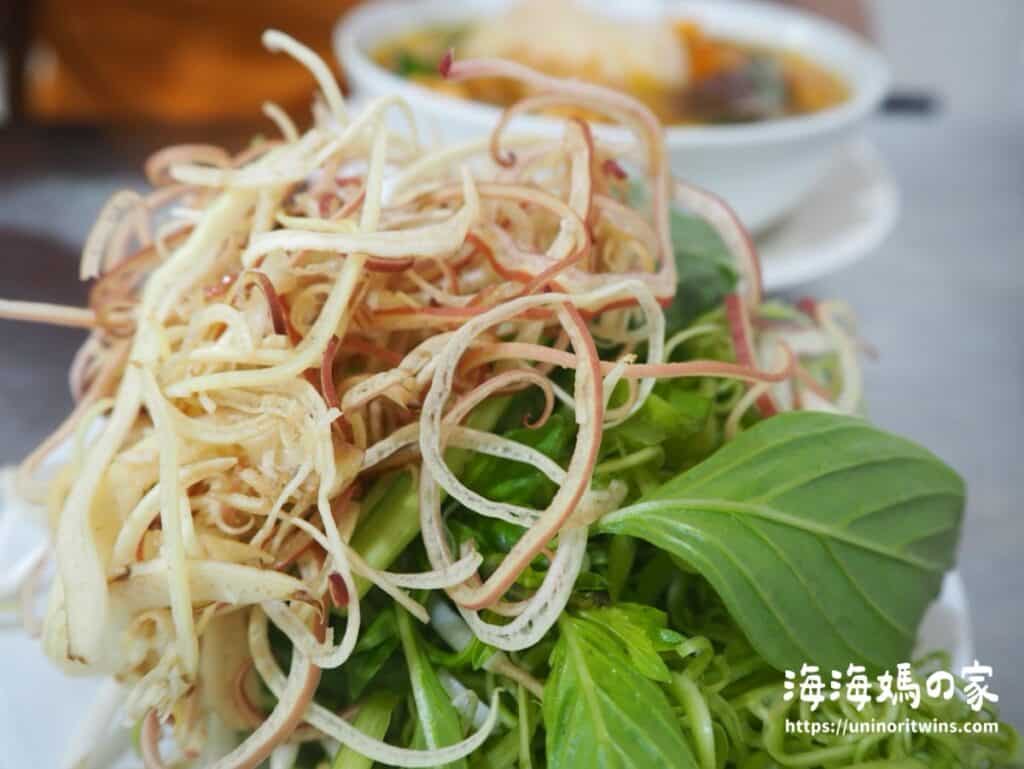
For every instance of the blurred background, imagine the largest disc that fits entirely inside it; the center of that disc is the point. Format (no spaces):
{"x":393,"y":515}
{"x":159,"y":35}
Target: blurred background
{"x":189,"y":60}
{"x":91,"y":87}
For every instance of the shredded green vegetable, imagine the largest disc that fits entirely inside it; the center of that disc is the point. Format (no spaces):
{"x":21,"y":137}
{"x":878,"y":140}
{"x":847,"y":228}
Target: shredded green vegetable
{"x":642,"y":606}
{"x":444,"y":458}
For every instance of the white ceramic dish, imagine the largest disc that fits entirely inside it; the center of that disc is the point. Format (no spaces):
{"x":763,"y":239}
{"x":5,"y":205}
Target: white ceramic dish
{"x":846,"y":217}
{"x":763,"y":170}
{"x":41,"y":710}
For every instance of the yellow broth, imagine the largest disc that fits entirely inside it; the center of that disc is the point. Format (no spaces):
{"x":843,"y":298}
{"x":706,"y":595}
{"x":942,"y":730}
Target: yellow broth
{"x":730,"y":81}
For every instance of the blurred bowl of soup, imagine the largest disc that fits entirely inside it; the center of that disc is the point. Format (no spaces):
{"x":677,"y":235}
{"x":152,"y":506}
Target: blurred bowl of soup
{"x":756,"y":99}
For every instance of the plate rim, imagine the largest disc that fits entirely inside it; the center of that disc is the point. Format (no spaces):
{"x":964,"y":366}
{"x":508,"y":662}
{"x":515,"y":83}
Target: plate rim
{"x":815,"y":261}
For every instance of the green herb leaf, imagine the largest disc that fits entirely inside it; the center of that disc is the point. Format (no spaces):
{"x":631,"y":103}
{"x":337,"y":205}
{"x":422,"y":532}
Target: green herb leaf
{"x":504,"y":480}
{"x":373,"y":650}
{"x":670,"y":413}
{"x":439,"y":721}
{"x":600,"y":712}
{"x":373,"y":662}
{"x":825,"y":537}
{"x":409,"y":64}
{"x":472,"y":657}
{"x":704,"y":269}
{"x":644,"y":632}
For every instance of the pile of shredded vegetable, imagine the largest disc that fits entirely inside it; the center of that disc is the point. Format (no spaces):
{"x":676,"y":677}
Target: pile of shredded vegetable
{"x":270,"y":332}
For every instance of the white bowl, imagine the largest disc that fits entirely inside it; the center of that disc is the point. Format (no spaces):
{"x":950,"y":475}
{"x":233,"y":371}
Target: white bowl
{"x":762,"y":169}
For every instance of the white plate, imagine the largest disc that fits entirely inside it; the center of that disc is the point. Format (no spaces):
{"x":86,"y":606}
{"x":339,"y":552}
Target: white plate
{"x":845,"y":217}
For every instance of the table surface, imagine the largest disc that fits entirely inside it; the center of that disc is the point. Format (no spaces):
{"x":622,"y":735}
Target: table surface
{"x":942,"y":300}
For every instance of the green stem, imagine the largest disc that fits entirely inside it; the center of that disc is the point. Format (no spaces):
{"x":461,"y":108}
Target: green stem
{"x":438,"y":718}
{"x":641,"y":457}
{"x":525,"y":732}
{"x":774,"y":736}
{"x":505,"y":752}
{"x":698,"y":718}
{"x":394,"y":521}
{"x":373,"y":720}
{"x":621,"y":555}
{"x":389,"y":527}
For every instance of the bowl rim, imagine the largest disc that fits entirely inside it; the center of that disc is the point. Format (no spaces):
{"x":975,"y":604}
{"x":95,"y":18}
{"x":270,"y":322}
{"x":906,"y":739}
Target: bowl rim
{"x":869,"y":83}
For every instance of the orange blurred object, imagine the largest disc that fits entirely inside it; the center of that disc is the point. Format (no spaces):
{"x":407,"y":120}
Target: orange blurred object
{"x":169,"y":61}
{"x":708,"y":57}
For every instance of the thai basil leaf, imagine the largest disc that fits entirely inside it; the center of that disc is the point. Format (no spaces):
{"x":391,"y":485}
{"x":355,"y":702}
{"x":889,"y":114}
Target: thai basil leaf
{"x":373,"y":661}
{"x":381,"y":629}
{"x":704,"y":269}
{"x":439,"y":722}
{"x":600,"y":712}
{"x":471,"y":657}
{"x":826,"y":537}
{"x":674,"y":414}
{"x":644,"y":632}
{"x":378,"y":642}
{"x":653,"y":578}
{"x":367,"y":665}
{"x":491,"y":535}
{"x":504,"y":480}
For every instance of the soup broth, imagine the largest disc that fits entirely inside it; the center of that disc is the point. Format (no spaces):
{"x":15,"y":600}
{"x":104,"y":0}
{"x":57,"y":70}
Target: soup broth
{"x":729,"y":81}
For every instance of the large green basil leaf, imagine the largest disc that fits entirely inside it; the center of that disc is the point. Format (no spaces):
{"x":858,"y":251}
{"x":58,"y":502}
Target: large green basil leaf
{"x":825,"y":537}
{"x":600,"y":712}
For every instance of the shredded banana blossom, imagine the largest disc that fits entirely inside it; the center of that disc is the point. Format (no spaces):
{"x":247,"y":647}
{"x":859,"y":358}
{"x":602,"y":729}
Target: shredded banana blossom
{"x":270,"y":331}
